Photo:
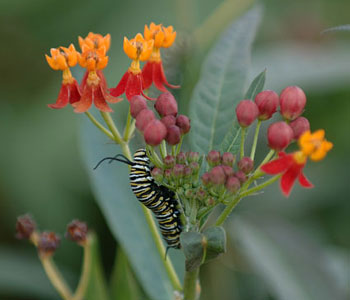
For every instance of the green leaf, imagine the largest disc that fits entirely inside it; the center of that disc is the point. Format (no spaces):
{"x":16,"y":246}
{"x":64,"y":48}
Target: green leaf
{"x":216,"y":242}
{"x":123,"y":283}
{"x":123,"y":213}
{"x":192,"y":245}
{"x":337,"y":28}
{"x":289,"y":264}
{"x":256,"y":86}
{"x":221,"y":84}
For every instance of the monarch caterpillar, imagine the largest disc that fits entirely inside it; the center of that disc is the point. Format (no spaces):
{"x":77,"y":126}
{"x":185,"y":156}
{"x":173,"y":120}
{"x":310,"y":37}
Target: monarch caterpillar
{"x":158,"y":198}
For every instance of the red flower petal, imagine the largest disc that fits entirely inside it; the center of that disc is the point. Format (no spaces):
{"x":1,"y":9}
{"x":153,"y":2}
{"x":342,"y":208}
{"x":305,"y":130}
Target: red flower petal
{"x":85,"y":101}
{"x":121,"y":87}
{"x":73,"y":92}
{"x":147,"y":74}
{"x":134,"y":86}
{"x":103,"y":82}
{"x":278,"y":165}
{"x":62,"y":99}
{"x":304,"y":182}
{"x":288,"y":179}
{"x":99,"y":100}
{"x":164,"y":78}
{"x":83,"y":81}
{"x":159,"y":77}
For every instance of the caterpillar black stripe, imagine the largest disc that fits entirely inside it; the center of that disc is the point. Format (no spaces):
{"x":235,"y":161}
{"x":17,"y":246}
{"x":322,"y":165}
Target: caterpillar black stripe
{"x":157,"y":198}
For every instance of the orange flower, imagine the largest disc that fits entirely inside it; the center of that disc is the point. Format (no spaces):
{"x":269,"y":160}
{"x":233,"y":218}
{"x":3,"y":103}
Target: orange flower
{"x":163,"y":37}
{"x":314,"y":144}
{"x":62,"y":58}
{"x":95,"y":41}
{"x":138,"y":48}
{"x":93,"y":59}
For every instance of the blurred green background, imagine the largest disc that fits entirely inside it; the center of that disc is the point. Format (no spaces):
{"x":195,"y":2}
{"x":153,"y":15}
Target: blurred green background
{"x":41,"y":170}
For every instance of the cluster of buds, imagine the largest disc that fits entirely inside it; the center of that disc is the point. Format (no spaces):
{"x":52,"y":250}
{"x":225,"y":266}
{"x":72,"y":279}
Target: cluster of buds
{"x":171,"y":127}
{"x":225,"y":172}
{"x":47,"y":242}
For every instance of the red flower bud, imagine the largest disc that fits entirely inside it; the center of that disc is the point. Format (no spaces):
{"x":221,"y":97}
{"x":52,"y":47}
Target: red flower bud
{"x":157,"y":174}
{"x":144,"y":117}
{"x":241,"y":176}
{"x":228,"y":159}
{"x":77,"y":231}
{"x":228,"y":171}
{"x":187,"y":171}
{"x":192,"y":156}
{"x":181,"y":158}
{"x":232,"y":184}
{"x":173,"y":135}
{"x":184,"y":123}
{"x":299,"y":126}
{"x":214,"y":158}
{"x":169,"y":161}
{"x":246,"y":165}
{"x":48,"y":243}
{"x":267,"y":102}
{"x":137,"y":103}
{"x":25,"y":226}
{"x":166,"y":105}
{"x":217,"y":175}
{"x":168,"y":173}
{"x":279,"y":135}
{"x":206,"y":179}
{"x":246,"y":112}
{"x":178,"y":170}
{"x":168,"y":121}
{"x":154,"y":133}
{"x":292,"y":102}
{"x":194,"y":166}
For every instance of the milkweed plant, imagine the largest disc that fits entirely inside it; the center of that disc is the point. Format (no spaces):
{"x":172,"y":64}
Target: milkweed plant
{"x":187,"y":166}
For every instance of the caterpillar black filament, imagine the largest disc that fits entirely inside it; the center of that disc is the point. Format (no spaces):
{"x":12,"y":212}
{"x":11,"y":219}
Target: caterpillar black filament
{"x":158,"y":198}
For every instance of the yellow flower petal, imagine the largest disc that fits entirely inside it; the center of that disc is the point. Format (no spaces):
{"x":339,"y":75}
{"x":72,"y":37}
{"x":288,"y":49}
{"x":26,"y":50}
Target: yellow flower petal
{"x":129,"y":49}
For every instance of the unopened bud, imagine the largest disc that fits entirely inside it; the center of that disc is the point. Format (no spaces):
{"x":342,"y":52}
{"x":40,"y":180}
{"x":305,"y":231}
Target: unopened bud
{"x":192,"y":156}
{"x":187,"y":171}
{"x":154,"y":133}
{"x":168,"y":173}
{"x":157,"y":174}
{"x":48,"y":242}
{"x":233,"y":184}
{"x":211,"y":201}
{"x":166,"y":105}
{"x":169,"y":161}
{"x":214,"y":158}
{"x":246,"y":112}
{"x":144,"y":118}
{"x":178,"y":170}
{"x":184,"y":123}
{"x":228,"y":159}
{"x":25,"y":226}
{"x":279,"y":135}
{"x":181,"y":158}
{"x":267,"y":102}
{"x":292,"y":102}
{"x":241,"y":176}
{"x":201,"y":194}
{"x":299,"y":126}
{"x":137,"y":103}
{"x":189,"y":194}
{"x":77,"y":231}
{"x":246,"y":165}
{"x":173,"y":136}
{"x":168,"y":121}
{"x":217,"y":175}
{"x":206,"y":179}
{"x":194,"y":166}
{"x":228,"y":171}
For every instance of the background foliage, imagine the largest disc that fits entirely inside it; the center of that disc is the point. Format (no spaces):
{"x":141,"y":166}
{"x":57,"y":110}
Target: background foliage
{"x":296,"y":248}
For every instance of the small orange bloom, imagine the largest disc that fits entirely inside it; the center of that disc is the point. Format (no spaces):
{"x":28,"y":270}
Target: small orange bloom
{"x":163,"y":37}
{"x":95,"y":41}
{"x":93,"y":59}
{"x":314,"y":144}
{"x":138,"y":48}
{"x":62,"y":58}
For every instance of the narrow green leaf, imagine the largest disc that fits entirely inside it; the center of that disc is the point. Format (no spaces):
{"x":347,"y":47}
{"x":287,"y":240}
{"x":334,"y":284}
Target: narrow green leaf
{"x":216,"y":242}
{"x":337,"y":28}
{"x":221,"y":84}
{"x":256,"y":86}
{"x":192,"y":244}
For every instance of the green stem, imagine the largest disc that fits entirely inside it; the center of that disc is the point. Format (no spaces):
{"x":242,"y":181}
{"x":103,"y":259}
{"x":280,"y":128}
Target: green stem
{"x":173,"y":150}
{"x":127,"y":127}
{"x":162,"y":148}
{"x":178,"y":148}
{"x":56,"y":278}
{"x":242,"y":142}
{"x":110,"y":123}
{"x":85,"y":275}
{"x":225,"y":213}
{"x":260,"y":187}
{"x":100,"y":126}
{"x":266,"y":159}
{"x":190,"y":285}
{"x":255,"y":141}
{"x":154,"y":157}
{"x":131,"y":130}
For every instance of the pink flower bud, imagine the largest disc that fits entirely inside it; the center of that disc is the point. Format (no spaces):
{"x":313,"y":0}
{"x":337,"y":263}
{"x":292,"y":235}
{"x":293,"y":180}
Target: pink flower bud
{"x":241,"y":176}
{"x":214,"y":158}
{"x":192,"y":156}
{"x":246,"y":112}
{"x":299,"y":126}
{"x":201,"y":194}
{"x":267,"y":102}
{"x":48,"y":243}
{"x":166,"y":105}
{"x":137,"y":103}
{"x":168,"y":121}
{"x":228,"y":159}
{"x":173,"y":136}
{"x":217,"y":175}
{"x":178,"y":170}
{"x":181,"y":158}
{"x":169,"y":161}
{"x":184,"y":123}
{"x":228,"y":171}
{"x":144,"y":117}
{"x":194,"y":166}
{"x":246,"y":165}
{"x":206,"y":179}
{"x":187,"y":171}
{"x":232,"y":184}
{"x":154,"y":133}
{"x":168,"y":174}
{"x":77,"y":231}
{"x":157,"y":174}
{"x":279,"y":135}
{"x":25,"y":226}
{"x":292,"y":102}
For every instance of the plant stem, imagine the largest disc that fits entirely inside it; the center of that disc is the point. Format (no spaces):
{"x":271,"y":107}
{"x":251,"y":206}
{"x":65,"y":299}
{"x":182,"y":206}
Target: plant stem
{"x":221,"y":219}
{"x":85,"y":275}
{"x":190,"y":285}
{"x":260,"y":187}
{"x":154,"y":157}
{"x":127,"y":127}
{"x":162,"y":148}
{"x":173,"y":150}
{"x":242,"y":142}
{"x":110,"y":123}
{"x":255,"y":141}
{"x":178,"y":148}
{"x":100,"y":126}
{"x":55,"y":277}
